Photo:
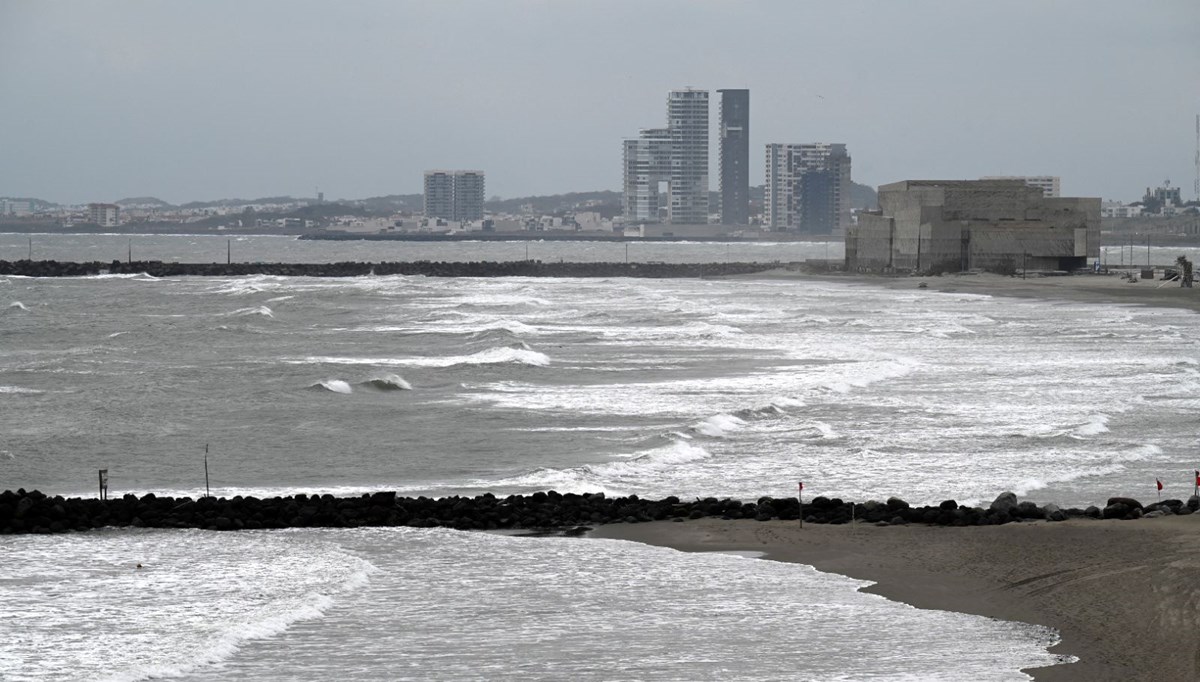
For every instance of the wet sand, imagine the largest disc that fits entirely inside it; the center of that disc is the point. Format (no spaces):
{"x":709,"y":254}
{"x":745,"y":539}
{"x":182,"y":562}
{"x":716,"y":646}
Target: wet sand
{"x":1082,"y":288}
{"x":1124,"y":595}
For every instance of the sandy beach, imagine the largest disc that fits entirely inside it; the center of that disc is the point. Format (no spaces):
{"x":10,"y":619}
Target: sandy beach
{"x":1082,"y":288}
{"x":1125,"y":595}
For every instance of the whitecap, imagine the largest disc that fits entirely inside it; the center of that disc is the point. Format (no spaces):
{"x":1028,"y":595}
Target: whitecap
{"x":17,"y":305}
{"x":19,"y":390}
{"x":333,"y":386}
{"x":1095,"y":425}
{"x":719,"y":425}
{"x":491,"y":356}
{"x":262,"y":311}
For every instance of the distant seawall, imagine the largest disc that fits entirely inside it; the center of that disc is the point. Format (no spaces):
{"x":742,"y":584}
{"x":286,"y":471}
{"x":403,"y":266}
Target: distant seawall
{"x":525,"y":268}
{"x":33,"y":512}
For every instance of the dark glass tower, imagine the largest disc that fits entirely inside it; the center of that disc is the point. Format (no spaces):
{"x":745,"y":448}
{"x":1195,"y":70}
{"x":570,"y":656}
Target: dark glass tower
{"x":735,"y":157}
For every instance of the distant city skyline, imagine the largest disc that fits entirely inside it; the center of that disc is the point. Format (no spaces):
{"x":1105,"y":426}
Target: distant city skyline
{"x":204,"y":100}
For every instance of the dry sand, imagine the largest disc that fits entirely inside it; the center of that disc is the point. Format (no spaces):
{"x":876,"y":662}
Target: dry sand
{"x":1124,"y":595}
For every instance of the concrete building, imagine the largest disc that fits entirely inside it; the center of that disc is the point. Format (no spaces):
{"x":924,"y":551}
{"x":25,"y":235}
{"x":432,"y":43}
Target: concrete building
{"x":1049,"y":184}
{"x":735,"y":157}
{"x":468,"y":195}
{"x":807,"y":188}
{"x":454,"y":195}
{"x":1116,"y":209}
{"x":104,"y":215}
{"x":956,"y":225}
{"x":666,"y":169}
{"x":15,"y":208}
{"x":687,"y":121}
{"x":647,"y":174}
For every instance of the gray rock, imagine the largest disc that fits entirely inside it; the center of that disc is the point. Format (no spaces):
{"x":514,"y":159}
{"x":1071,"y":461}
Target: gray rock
{"x":1155,"y":514}
{"x":1049,"y":508}
{"x":1092,"y":511}
{"x":1005,"y":502}
{"x":1193,"y":502}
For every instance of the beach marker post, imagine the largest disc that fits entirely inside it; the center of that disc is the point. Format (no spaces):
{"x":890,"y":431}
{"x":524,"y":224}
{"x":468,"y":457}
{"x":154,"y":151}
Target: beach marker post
{"x":800,"y":499}
{"x":1196,"y":489}
{"x":103,"y":484}
{"x":206,"y":493}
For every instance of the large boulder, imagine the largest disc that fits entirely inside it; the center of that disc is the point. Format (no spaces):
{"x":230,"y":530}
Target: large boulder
{"x":1005,"y":502}
{"x":1193,"y":502}
{"x":895,"y":503}
{"x":1127,"y":501}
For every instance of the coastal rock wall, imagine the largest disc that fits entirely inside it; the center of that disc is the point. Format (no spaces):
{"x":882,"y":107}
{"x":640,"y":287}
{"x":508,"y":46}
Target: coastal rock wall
{"x":35,"y":512}
{"x":527,"y":268}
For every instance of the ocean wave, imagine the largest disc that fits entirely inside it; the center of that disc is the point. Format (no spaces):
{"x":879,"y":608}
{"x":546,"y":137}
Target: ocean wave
{"x":491,"y":356}
{"x":17,"y":305}
{"x":719,"y":425}
{"x":1095,"y":425}
{"x":388,"y":382}
{"x":261,"y":311}
{"x":19,"y":390}
{"x":609,"y":477}
{"x":333,"y":386}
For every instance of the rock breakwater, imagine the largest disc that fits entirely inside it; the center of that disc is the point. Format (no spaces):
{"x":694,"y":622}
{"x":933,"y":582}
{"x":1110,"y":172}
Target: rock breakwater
{"x":50,"y":268}
{"x":35,"y":512}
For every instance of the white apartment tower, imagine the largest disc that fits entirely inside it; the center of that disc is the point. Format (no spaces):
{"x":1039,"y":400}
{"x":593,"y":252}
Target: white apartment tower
{"x":687,"y":121}
{"x":807,"y":188}
{"x":454,"y":195}
{"x":666,"y":169}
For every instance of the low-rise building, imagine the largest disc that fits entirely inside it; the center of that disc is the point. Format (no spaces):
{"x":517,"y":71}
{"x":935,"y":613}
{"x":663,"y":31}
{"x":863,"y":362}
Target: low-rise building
{"x":957,"y":225}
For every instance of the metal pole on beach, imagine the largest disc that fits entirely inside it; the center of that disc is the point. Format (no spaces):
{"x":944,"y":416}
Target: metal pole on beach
{"x":206,"y":493}
{"x":228,"y":251}
{"x":31,"y":248}
{"x":800,"y":498}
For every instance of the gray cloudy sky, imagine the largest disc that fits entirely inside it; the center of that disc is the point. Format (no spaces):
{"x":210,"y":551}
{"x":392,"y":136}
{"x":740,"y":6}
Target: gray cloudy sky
{"x":207,"y":99}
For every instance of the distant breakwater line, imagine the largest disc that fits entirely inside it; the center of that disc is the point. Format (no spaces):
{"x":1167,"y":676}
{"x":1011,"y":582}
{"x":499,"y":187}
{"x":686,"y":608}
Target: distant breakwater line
{"x":34,"y":512}
{"x":525,"y":268}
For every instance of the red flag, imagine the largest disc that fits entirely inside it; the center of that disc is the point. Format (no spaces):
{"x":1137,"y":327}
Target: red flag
{"x":1159,"y":483}
{"x":802,"y":484}
{"x":1198,"y":478}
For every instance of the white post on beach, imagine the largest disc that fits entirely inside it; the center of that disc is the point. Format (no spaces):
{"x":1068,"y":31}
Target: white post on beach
{"x":800,"y":499}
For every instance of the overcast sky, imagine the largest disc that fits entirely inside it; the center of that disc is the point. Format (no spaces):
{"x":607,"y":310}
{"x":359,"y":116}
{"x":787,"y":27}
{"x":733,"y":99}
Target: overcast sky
{"x":207,"y":99}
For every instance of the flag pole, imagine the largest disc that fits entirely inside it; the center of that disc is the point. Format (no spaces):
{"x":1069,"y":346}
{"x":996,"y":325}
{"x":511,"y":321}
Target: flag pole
{"x":206,"y":493}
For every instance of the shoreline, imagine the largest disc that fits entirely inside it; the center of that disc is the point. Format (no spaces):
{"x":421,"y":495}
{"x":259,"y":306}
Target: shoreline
{"x":1089,"y":288}
{"x":1124,"y":597}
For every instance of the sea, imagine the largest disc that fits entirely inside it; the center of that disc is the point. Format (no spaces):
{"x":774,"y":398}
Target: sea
{"x":733,"y":387}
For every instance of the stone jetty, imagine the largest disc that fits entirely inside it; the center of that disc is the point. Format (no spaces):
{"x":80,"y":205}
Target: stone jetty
{"x":525,"y":268}
{"x":35,"y":512}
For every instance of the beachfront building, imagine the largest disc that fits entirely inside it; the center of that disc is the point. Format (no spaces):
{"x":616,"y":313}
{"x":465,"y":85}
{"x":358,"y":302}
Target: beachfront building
{"x":666,"y":169}
{"x":735,"y":157}
{"x":647,"y":174}
{"x":104,"y":215}
{"x":1049,"y":184}
{"x":807,"y":188}
{"x":454,"y":195}
{"x":958,"y":225}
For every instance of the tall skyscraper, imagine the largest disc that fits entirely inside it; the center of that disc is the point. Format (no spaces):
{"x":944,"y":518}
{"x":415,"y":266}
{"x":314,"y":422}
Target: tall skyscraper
{"x":454,"y":195}
{"x":735,"y":157}
{"x":647,"y":171}
{"x":675,"y":156}
{"x":687,"y":121}
{"x":807,"y":188}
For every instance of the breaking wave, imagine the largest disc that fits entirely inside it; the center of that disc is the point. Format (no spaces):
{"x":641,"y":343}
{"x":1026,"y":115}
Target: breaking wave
{"x":1095,"y":425}
{"x":719,"y":425}
{"x":17,"y":305}
{"x":388,"y":382}
{"x":491,"y":356}
{"x":333,"y":386}
{"x":610,"y":477}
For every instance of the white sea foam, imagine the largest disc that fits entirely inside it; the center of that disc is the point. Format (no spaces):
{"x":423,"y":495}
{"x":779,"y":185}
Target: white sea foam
{"x":334,"y":386}
{"x":719,"y":425}
{"x":615,"y":476}
{"x":1095,"y":425}
{"x":19,"y":389}
{"x":17,"y":305}
{"x":491,"y":356}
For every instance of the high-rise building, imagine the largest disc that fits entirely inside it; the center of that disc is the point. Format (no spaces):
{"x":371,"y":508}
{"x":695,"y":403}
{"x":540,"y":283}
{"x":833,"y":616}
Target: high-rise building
{"x":454,"y":195}
{"x":468,"y":195}
{"x":647,"y":172}
{"x":675,"y":156}
{"x":735,"y":157}
{"x":687,"y":121}
{"x":807,"y":188}
{"x":1049,"y":184}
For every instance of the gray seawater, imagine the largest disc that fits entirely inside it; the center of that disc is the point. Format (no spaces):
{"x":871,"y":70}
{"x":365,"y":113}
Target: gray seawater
{"x":460,"y":386}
